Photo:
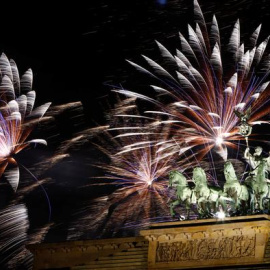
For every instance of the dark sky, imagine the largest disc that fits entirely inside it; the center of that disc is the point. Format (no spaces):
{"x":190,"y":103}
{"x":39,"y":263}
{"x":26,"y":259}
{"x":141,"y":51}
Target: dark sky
{"x":76,"y":49}
{"x":77,"y":53}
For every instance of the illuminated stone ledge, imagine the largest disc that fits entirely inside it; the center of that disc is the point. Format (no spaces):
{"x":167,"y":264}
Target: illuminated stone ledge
{"x":208,"y":243}
{"x":115,"y":253}
{"x":231,"y":243}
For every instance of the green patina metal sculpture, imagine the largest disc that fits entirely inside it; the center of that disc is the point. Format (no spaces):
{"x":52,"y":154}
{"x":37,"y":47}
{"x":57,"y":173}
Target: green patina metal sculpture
{"x":208,"y":198}
{"x":235,"y":198}
{"x":249,"y":197}
{"x":244,"y":128}
{"x":261,"y":189}
{"x":257,"y":179}
{"x":233,"y":189}
{"x":184,"y":194}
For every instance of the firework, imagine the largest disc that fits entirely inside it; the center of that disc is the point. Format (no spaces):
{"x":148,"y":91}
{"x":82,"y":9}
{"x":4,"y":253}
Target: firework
{"x":17,"y":116}
{"x":15,"y":235}
{"x":14,"y":225}
{"x":135,"y":169}
{"x":36,"y":182}
{"x":192,"y":116}
{"x":199,"y":95}
{"x":18,"y":120}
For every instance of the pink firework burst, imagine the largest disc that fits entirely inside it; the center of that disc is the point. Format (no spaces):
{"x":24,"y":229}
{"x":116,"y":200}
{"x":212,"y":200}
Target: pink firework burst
{"x":18,"y":117}
{"x":192,"y":116}
{"x":136,"y":167}
{"x":198,"y":96}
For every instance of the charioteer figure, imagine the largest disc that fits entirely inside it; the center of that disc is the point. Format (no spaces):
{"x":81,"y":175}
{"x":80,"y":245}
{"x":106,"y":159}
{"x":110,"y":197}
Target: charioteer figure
{"x":255,"y":160}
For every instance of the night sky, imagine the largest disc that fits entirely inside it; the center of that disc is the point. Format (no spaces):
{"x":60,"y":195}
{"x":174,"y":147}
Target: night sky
{"x":77,"y":53}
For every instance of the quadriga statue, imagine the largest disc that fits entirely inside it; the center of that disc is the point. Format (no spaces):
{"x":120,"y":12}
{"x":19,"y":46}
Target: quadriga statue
{"x":234,"y":199}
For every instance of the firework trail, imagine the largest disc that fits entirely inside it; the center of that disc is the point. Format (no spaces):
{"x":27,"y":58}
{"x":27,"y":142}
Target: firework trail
{"x":36,"y":178}
{"x":198,"y":95}
{"x":17,"y":116}
{"x":14,"y":236}
{"x":19,"y":120}
{"x":14,"y":226}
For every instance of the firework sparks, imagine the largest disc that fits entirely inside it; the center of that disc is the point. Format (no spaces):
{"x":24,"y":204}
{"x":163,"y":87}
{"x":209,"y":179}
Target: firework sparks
{"x":14,"y":225}
{"x":17,"y":116}
{"x":193,"y":117}
{"x":14,"y":236}
{"x":202,"y":94}
{"x":138,"y":169}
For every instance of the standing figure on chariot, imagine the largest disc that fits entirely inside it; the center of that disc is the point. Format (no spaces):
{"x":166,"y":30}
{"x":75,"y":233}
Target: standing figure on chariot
{"x":257,"y":180}
{"x":255,"y":160}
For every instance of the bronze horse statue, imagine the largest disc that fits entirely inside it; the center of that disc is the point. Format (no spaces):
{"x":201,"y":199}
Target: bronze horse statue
{"x":184,"y":194}
{"x":209,"y":199}
{"x":233,"y":189}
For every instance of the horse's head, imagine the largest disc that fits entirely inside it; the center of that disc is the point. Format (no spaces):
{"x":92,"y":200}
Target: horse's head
{"x":176,"y":178}
{"x":199,"y":176}
{"x":229,"y":172}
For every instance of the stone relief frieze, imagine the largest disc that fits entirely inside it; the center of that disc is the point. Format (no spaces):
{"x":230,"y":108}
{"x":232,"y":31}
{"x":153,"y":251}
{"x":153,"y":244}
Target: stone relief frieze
{"x":202,"y":249}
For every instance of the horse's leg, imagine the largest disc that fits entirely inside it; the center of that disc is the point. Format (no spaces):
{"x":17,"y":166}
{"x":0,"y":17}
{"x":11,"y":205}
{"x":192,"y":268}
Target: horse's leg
{"x":268,"y":205}
{"x":252,"y":202}
{"x":172,"y":206}
{"x":215,"y":203}
{"x":262,"y":201}
{"x":222,"y":203}
{"x":245,"y":199}
{"x":243,"y":204}
{"x":237,"y":202}
{"x":265,"y":199}
{"x":188,"y":207}
{"x":260,"y":204}
{"x":238,"y":205}
{"x":265,"y":204}
{"x":256,"y":203}
{"x":201,"y":207}
{"x":224,"y":199}
{"x":209,"y":209}
{"x":257,"y":198}
{"x":268,"y":200}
